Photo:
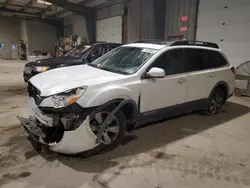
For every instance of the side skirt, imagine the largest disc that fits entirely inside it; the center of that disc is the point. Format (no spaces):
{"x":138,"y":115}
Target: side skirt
{"x":172,"y":111}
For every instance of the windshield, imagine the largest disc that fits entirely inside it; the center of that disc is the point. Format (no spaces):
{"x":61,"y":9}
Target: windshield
{"x":77,"y":51}
{"x":124,"y":60}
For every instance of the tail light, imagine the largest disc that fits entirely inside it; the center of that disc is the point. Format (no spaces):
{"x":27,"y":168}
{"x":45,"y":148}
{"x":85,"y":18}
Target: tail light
{"x":233,"y":70}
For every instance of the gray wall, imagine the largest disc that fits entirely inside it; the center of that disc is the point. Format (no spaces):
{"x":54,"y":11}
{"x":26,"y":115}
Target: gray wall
{"x":41,"y":36}
{"x":9,"y":34}
{"x":78,"y":26}
{"x":36,"y":35}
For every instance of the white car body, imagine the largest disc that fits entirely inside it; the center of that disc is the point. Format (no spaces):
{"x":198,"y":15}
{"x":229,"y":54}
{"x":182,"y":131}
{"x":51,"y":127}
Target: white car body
{"x":149,"y":95}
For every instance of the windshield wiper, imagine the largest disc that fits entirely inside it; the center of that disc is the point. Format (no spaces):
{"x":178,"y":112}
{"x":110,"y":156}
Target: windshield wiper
{"x":114,"y":71}
{"x":107,"y":69}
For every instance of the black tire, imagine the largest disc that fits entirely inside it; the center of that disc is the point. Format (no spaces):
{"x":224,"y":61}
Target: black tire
{"x":117,"y":141}
{"x":216,"y":100}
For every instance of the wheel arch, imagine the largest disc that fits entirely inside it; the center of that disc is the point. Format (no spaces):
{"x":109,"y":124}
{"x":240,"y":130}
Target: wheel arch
{"x":223,"y":85}
{"x":129,"y":109}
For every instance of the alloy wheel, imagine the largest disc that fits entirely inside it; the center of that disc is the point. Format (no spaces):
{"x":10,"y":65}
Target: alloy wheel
{"x":112,"y":130}
{"x":216,"y":103}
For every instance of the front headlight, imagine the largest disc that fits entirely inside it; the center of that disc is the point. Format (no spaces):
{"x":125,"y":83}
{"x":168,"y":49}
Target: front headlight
{"x":69,"y":97}
{"x":41,"y":69}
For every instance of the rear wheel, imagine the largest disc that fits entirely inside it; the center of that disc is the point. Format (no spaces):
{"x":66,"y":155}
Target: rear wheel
{"x":113,"y":134}
{"x":216,"y":101}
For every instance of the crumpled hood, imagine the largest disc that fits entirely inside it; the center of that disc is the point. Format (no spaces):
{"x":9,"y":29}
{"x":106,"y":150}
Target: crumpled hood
{"x":63,"y":79}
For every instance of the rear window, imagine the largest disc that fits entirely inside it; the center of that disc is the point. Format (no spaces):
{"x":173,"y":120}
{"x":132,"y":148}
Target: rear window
{"x":216,"y":59}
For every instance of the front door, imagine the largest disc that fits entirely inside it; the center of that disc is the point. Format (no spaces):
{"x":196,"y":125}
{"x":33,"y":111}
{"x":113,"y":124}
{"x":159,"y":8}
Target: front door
{"x":165,"y":92}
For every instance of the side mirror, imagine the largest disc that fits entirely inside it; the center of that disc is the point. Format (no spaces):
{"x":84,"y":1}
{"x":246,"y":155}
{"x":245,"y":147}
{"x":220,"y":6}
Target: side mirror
{"x":155,"y":73}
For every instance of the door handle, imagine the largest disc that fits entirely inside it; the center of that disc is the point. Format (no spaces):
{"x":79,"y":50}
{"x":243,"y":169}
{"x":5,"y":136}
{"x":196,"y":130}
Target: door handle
{"x":212,"y":75}
{"x":181,"y":81}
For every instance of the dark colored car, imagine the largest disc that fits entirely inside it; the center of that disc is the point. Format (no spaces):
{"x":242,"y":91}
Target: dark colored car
{"x":79,"y":55}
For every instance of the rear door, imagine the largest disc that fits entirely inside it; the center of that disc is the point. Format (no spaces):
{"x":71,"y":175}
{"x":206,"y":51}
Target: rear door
{"x":204,"y":68}
{"x":200,"y":77}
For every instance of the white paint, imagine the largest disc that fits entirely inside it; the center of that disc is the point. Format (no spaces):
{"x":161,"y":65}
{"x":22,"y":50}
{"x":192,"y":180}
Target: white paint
{"x":235,"y":32}
{"x":145,"y":45}
{"x":79,"y":140}
{"x":104,"y":86}
{"x":109,"y":29}
{"x":56,"y":81}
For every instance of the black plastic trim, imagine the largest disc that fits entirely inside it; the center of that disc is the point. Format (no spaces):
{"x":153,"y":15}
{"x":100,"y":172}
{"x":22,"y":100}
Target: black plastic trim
{"x":73,"y":108}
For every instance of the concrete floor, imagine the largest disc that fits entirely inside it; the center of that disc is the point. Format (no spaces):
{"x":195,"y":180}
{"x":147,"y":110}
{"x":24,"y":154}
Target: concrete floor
{"x":190,"y":151}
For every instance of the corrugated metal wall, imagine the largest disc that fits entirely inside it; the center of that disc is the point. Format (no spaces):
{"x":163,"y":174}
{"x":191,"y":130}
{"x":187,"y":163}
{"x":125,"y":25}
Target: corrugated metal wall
{"x":111,"y":11}
{"x":174,"y":11}
{"x":141,"y":20}
{"x":226,"y":23}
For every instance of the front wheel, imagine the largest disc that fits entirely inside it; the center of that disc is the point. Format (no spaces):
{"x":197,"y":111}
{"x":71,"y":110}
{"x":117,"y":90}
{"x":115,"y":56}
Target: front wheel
{"x":114,"y":133}
{"x":216,"y":101}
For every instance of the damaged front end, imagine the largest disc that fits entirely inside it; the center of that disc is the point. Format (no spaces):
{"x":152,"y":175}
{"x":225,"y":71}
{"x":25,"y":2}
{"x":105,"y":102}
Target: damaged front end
{"x":65,"y":130}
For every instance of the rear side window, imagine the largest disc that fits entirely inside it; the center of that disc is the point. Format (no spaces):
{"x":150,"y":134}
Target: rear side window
{"x":196,"y":60}
{"x":216,"y":59}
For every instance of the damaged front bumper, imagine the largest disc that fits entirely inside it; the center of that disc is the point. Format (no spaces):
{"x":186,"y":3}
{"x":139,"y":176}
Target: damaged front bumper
{"x":72,"y":142}
{"x":65,"y":131}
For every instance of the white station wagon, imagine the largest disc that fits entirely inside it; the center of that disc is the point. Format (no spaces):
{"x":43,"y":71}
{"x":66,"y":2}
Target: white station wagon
{"x":88,"y":108}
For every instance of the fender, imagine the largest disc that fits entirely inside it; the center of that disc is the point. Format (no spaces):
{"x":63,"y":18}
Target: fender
{"x":110,"y":116}
{"x":105,"y":95}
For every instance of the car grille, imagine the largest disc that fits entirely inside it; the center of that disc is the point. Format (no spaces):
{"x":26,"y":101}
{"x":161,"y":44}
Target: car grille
{"x":35,"y":93}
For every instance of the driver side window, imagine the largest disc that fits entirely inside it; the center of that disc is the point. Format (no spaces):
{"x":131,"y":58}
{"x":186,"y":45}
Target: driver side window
{"x":170,"y":62}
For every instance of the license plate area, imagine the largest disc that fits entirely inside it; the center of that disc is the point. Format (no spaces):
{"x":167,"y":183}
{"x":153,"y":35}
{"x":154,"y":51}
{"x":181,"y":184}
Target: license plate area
{"x":32,"y":129}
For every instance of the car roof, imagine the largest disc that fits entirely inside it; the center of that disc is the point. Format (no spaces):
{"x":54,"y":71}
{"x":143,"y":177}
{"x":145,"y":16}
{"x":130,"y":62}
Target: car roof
{"x":146,"y":45}
{"x":159,"y":44}
{"x":112,"y":43}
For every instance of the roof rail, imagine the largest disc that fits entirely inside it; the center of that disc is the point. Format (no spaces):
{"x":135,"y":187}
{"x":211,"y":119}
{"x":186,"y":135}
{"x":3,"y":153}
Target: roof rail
{"x":152,"y":41}
{"x":194,"y":43}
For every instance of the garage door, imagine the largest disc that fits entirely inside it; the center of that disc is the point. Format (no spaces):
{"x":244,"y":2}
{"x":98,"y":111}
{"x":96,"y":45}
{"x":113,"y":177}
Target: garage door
{"x":109,"y":29}
{"x":226,"y":22}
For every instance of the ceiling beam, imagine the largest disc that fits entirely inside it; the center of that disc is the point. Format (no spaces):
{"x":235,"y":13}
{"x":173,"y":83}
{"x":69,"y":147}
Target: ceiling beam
{"x":19,"y":6}
{"x":18,"y":12}
{"x":87,"y":12}
{"x":25,"y":6}
{"x":76,"y":8}
{"x":30,"y":3}
{"x":48,"y":8}
{"x":58,"y":14}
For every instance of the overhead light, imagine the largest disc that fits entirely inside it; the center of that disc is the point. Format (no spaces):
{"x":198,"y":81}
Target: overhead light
{"x":44,"y":2}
